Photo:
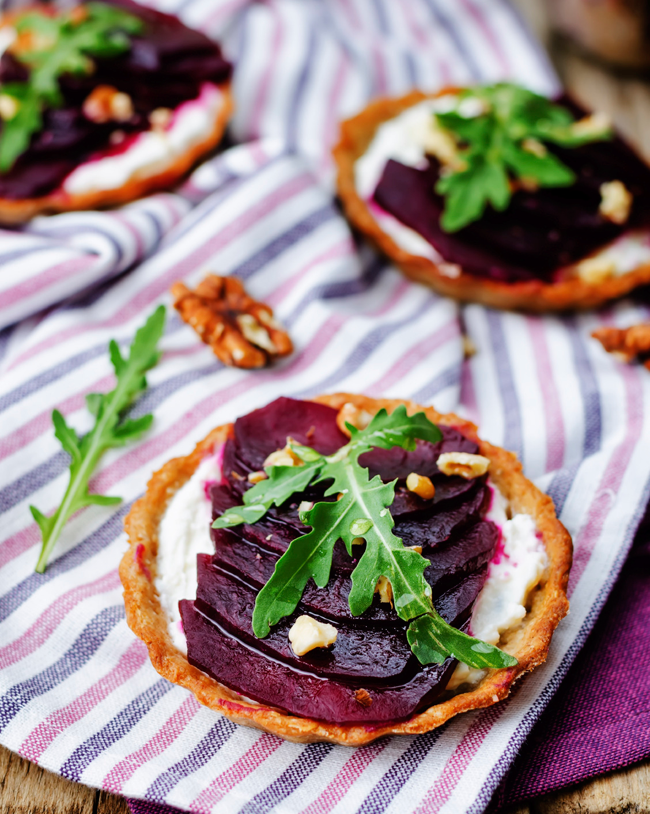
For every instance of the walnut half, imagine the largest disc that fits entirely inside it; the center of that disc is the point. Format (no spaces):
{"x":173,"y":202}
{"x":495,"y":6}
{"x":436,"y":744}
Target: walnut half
{"x":627,"y":343}
{"x":241,"y":331}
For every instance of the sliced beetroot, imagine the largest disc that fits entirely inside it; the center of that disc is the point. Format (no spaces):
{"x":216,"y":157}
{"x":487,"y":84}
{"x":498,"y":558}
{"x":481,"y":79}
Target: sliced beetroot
{"x":430,"y":530}
{"x":540,"y":231}
{"x":263,"y":431}
{"x":455,"y":605}
{"x":461,"y":556}
{"x":377,"y":655}
{"x":246,"y":671}
{"x":399,"y":463}
{"x":371,"y":650}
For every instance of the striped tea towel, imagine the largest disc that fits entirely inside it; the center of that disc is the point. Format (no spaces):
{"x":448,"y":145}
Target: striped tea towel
{"x":77,"y":693}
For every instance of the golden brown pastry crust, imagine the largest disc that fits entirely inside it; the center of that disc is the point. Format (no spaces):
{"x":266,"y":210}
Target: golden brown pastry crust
{"x":22,"y":210}
{"x":532,"y":295}
{"x":529,"y":642}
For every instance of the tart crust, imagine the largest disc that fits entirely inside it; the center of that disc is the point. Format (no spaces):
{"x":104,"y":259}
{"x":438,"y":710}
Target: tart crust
{"x":22,"y":210}
{"x":529,"y":641}
{"x":529,"y":295}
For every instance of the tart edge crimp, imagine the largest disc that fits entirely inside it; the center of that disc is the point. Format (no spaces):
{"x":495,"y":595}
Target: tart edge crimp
{"x":531,"y":295}
{"x":529,"y":642}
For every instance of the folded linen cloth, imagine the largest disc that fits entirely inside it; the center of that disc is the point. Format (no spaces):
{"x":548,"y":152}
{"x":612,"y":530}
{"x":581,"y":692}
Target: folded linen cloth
{"x":77,"y":693}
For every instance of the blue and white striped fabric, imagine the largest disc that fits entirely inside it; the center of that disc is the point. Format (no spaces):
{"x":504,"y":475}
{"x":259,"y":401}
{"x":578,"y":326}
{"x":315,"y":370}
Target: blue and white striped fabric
{"x":77,"y":692}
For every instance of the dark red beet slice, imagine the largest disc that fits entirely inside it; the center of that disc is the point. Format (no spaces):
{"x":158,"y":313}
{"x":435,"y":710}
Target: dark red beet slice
{"x":430,"y":530}
{"x":540,"y":231}
{"x":165,"y":66}
{"x":245,"y":670}
{"x":399,"y":463}
{"x":263,"y":431}
{"x":372,"y":654}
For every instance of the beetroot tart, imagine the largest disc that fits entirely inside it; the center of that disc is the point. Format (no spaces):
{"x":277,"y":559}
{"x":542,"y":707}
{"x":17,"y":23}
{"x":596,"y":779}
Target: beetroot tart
{"x":103,"y":103}
{"x":496,"y":195}
{"x":376,"y":568}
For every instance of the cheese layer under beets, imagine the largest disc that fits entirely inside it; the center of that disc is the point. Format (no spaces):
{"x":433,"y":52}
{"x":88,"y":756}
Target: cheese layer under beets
{"x":539,"y":232}
{"x":371,"y":651}
{"x":165,"y":66}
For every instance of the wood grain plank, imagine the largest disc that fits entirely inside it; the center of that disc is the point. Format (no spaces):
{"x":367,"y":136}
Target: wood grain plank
{"x":624,"y":792}
{"x":25,"y":788}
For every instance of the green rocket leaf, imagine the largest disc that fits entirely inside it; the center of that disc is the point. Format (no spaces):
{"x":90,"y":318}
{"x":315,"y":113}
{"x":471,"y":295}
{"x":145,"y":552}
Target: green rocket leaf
{"x":111,"y":429}
{"x":505,"y":142}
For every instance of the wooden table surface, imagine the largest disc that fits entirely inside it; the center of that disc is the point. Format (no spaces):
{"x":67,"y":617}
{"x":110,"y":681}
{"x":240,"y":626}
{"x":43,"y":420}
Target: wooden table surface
{"x":27,"y":789}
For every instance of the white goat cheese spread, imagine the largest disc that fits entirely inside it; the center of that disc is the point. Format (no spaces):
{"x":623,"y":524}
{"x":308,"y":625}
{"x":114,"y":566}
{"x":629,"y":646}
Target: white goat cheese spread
{"x":516,"y":568}
{"x":154,"y":150}
{"x":514,"y":571}
{"x":184,"y":532}
{"x":403,"y":138}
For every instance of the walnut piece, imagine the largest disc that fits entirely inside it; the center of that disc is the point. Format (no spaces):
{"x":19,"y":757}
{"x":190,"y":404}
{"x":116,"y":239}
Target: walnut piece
{"x":349,"y":414}
{"x":105,"y":103}
{"x":465,"y":464}
{"x":616,"y":202}
{"x":363,"y":697}
{"x":628,"y":343}
{"x":307,"y":633}
{"x":420,"y":485}
{"x":241,"y":331}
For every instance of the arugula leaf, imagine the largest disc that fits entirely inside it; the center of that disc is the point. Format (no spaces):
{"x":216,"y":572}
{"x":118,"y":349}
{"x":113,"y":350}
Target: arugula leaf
{"x":433,"y":640}
{"x":111,"y":430}
{"x":282,"y":482}
{"x":66,"y":46}
{"x":495,"y":148}
{"x":361,"y":512}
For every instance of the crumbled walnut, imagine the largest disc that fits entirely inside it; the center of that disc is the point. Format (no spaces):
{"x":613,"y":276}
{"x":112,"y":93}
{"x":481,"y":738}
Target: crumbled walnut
{"x":465,"y":464}
{"x":420,"y":485}
{"x":351,"y":414}
{"x":469,"y":348}
{"x":384,"y":589}
{"x":307,"y":633}
{"x":616,"y":202}
{"x":628,"y":343}
{"x":363,"y":697}
{"x":240,"y":330}
{"x":105,"y":103}
{"x":283,"y":457}
{"x":160,"y":118}
{"x":534,"y":147}
{"x":596,"y":269}
{"x":441,"y":144}
{"x":256,"y":477}
{"x":9,"y":106}
{"x":593,"y":125}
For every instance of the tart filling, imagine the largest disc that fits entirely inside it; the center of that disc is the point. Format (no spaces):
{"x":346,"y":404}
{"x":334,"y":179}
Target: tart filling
{"x":119,"y":112}
{"x":369,"y":674}
{"x":543,"y":232}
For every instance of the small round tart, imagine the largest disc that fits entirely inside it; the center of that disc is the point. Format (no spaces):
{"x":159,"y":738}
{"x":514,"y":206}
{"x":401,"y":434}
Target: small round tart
{"x":153,"y":620}
{"x":387,"y":154}
{"x":128,"y":120}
